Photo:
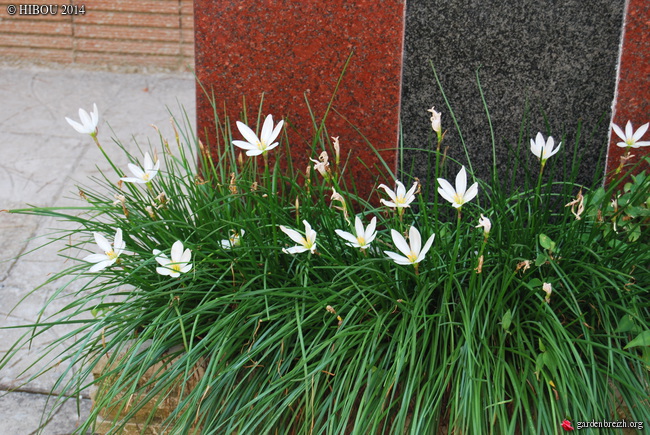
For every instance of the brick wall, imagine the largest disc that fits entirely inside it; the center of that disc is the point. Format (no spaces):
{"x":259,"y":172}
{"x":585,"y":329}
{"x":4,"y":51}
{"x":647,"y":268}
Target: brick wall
{"x":111,"y":34}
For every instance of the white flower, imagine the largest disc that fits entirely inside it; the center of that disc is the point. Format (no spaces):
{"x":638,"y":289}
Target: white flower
{"x":630,"y":137}
{"x":549,"y":290}
{"x":436,"y":118}
{"x":179,"y":263}
{"x":89,"y":121}
{"x":363,"y":237}
{"x":460,"y":195}
{"x":543,"y":150}
{"x":233,"y":240}
{"x":401,"y":198}
{"x":413,"y":251}
{"x":485,"y":224}
{"x":306,"y":243}
{"x":111,"y":253}
{"x":255,"y":146}
{"x":143,"y":176}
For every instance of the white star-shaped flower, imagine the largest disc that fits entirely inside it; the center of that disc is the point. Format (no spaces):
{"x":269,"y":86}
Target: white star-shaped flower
{"x":460,"y":195}
{"x":145,"y":175}
{"x":179,"y":263}
{"x":89,"y":121}
{"x":413,"y":251}
{"x":400,"y":198}
{"x":254,"y":145}
{"x":363,"y":237}
{"x":111,"y":252}
{"x":630,"y":137}
{"x":306,"y":243}
{"x":543,"y":149}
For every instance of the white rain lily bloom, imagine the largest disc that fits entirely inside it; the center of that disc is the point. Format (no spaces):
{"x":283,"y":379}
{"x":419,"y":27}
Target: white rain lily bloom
{"x":145,"y":175}
{"x":363,"y":237}
{"x":89,"y":121}
{"x":111,"y":252}
{"x":548,"y":289}
{"x":436,"y":120}
{"x":399,"y":198}
{"x":233,"y":240}
{"x":485,"y":223}
{"x":306,"y":243}
{"x":413,"y":251}
{"x":460,"y":195}
{"x":543,"y":150}
{"x":630,"y":137}
{"x":254,"y":145}
{"x":179,"y":263}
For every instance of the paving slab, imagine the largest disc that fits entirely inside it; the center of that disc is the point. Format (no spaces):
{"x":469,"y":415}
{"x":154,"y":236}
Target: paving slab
{"x":43,"y":160}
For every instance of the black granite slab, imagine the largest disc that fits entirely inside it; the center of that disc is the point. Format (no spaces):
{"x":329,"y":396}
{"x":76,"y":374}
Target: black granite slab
{"x":560,"y":57}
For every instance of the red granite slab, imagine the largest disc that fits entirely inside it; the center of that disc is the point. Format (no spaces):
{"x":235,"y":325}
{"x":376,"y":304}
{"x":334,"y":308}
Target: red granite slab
{"x":292,"y":50}
{"x":633,"y":96}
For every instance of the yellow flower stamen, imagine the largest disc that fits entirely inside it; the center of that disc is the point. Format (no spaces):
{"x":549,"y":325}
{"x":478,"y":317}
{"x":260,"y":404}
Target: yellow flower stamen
{"x":111,"y":254}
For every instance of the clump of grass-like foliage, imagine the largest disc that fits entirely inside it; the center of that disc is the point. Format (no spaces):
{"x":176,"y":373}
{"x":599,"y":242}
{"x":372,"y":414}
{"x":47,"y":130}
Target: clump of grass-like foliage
{"x":542,"y":319}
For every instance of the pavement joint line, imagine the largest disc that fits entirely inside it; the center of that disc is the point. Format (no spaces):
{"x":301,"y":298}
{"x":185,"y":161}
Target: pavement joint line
{"x":34,"y":234}
{"x":41,"y":392}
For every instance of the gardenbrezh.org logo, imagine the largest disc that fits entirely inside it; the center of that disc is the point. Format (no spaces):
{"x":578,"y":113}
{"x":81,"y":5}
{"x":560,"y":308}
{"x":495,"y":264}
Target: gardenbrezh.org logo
{"x":602,"y":424}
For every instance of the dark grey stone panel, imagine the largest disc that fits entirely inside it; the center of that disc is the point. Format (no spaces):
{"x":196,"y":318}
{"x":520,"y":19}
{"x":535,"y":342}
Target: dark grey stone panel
{"x":560,"y":56}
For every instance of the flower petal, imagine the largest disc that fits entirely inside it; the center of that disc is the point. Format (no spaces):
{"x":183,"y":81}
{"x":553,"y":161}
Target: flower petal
{"x":640,"y":132}
{"x":276,"y":131}
{"x":177,"y":251}
{"x":358,"y":227}
{"x":294,"y":250}
{"x":267,"y":130}
{"x":415,"y":240}
{"x":136,"y":170}
{"x":471,"y":193}
{"x":347,"y":236}
{"x":103,"y":244}
{"x":248,"y":134}
{"x":95,"y":258}
{"x":398,"y":258}
{"x":400,"y":243}
{"x":148,"y":163}
{"x":293,"y":234}
{"x":461,"y":181}
{"x":370,"y":233}
{"x":446,"y":190}
{"x":101,"y":266}
{"x":618,"y":132}
{"x":425,"y":249}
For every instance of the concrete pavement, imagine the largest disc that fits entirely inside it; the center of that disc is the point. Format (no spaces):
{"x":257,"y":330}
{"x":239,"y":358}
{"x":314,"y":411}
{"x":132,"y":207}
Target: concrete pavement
{"x":42,"y":158}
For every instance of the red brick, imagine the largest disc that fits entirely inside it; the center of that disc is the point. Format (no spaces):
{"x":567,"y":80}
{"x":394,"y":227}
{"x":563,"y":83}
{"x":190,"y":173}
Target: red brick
{"x":38,"y":54}
{"x":36,"y":27}
{"x":36,"y":41}
{"x":124,"y":32}
{"x":142,"y":47}
{"x":153,"y":7}
{"x":187,"y":36}
{"x":110,"y":59}
{"x":187,"y":7}
{"x":128,"y":19}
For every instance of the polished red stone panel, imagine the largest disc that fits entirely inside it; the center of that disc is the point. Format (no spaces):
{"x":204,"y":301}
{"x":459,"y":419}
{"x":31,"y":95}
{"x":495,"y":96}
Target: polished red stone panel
{"x":292,"y":50}
{"x":633,"y":96}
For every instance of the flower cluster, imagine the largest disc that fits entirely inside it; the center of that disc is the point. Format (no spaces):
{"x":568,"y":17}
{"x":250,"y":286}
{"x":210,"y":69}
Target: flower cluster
{"x":409,"y":243}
